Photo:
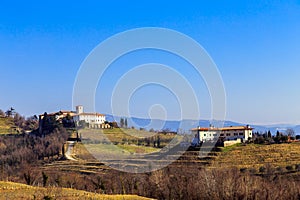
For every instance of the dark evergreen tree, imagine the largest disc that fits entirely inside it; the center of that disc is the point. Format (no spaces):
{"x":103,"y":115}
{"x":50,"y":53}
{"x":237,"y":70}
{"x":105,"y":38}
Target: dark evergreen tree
{"x":158,"y":141}
{"x":269,"y":134}
{"x":122,"y":122}
{"x":125,"y":123}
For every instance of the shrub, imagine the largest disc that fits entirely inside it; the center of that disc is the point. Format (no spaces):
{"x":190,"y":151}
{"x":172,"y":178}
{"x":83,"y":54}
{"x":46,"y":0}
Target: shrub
{"x":297,"y":167}
{"x":279,"y":169}
{"x":262,"y":169}
{"x":289,"y":168}
{"x":243,"y":170}
{"x":252,"y":170}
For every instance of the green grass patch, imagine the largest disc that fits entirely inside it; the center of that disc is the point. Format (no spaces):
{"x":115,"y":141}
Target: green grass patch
{"x":125,"y":136}
{"x":231,"y":147}
{"x":138,"y":149}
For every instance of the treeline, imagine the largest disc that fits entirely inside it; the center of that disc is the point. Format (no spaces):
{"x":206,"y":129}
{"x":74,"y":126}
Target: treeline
{"x":153,"y":141}
{"x":18,"y":152}
{"x":279,"y":137}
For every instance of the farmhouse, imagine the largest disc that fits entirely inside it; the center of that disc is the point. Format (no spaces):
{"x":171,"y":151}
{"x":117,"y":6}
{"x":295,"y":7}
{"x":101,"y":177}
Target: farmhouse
{"x":95,"y":120}
{"x":211,"y":133}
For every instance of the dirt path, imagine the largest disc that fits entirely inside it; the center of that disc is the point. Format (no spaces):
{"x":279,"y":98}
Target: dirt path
{"x":69,"y":153}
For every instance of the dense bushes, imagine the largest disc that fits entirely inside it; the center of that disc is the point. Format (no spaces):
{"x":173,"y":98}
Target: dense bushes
{"x":194,"y":183}
{"x":187,"y":183}
{"x":17,"y":151}
{"x":178,"y":182}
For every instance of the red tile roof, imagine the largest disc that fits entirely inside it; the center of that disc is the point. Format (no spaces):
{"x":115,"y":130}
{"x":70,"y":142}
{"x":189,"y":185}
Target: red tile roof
{"x":98,"y":114}
{"x":223,"y":128}
{"x":71,"y":112}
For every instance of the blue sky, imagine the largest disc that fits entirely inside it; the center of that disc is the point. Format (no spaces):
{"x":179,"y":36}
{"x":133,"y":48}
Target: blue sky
{"x":255,"y":45}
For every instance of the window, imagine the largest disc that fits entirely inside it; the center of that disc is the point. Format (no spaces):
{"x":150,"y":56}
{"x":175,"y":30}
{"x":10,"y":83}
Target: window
{"x":204,"y":134}
{"x":235,"y":134}
{"x":227,"y":134}
{"x":241,"y":133}
{"x":221,"y":134}
{"x":215,"y":135}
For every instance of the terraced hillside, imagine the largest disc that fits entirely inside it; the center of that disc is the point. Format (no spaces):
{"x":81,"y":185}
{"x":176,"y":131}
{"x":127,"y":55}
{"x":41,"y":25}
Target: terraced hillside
{"x":279,"y":156}
{"x":278,"y":163}
{"x":282,"y":157}
{"x":85,"y":162}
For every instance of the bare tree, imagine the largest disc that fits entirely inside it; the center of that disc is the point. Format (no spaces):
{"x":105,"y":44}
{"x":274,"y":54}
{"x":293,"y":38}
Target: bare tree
{"x":290,"y":132}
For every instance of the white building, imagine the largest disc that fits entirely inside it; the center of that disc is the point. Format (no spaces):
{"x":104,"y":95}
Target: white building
{"x":226,"y":133}
{"x":95,"y":120}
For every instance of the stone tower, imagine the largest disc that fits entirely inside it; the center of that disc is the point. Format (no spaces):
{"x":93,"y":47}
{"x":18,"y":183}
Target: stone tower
{"x":79,"y":109}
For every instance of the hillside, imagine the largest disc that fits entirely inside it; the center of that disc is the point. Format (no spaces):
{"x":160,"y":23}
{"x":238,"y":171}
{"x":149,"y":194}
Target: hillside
{"x":250,"y":156}
{"x":253,"y":156}
{"x":10,"y":190}
{"x":274,"y":173}
{"x":6,"y":125}
{"x":130,"y":140}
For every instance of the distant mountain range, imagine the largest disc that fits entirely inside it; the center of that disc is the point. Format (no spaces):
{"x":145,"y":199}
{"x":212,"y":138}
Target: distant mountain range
{"x":186,"y":125}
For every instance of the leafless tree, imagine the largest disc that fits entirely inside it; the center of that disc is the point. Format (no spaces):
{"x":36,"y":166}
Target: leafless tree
{"x":290,"y":132}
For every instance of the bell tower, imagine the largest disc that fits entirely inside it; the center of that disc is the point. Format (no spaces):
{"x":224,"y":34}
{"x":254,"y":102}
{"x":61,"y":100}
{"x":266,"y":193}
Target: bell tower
{"x":79,"y":109}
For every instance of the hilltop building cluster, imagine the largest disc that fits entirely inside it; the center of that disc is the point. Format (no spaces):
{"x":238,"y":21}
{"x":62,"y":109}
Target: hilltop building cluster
{"x":74,"y":118}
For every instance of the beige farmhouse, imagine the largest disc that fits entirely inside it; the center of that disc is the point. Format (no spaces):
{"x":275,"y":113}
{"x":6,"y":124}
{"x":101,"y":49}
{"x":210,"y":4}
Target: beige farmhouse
{"x":204,"y":134}
{"x":95,"y":120}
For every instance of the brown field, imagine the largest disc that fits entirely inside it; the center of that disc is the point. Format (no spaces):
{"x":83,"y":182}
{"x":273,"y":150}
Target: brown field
{"x":10,"y":190}
{"x":255,"y":156}
{"x":6,"y":126}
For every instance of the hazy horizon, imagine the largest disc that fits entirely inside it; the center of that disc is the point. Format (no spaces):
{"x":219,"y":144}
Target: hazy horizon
{"x":254,"y":44}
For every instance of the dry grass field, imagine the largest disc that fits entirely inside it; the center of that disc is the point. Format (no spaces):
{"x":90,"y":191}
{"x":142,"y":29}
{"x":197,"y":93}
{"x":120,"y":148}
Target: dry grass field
{"x":254,"y":156}
{"x":6,"y":125}
{"x":10,"y":190}
{"x":121,"y":135}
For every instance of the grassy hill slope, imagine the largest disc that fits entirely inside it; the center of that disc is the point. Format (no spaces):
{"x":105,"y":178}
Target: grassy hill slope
{"x":10,"y":190}
{"x":6,"y":125}
{"x":130,"y":140}
{"x":255,"y":156}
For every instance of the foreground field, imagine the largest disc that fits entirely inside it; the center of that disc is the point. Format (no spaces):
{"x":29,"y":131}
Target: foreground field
{"x":9,"y":190}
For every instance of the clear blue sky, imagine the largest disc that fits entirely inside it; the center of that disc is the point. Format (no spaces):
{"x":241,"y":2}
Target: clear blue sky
{"x":255,"y":45}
